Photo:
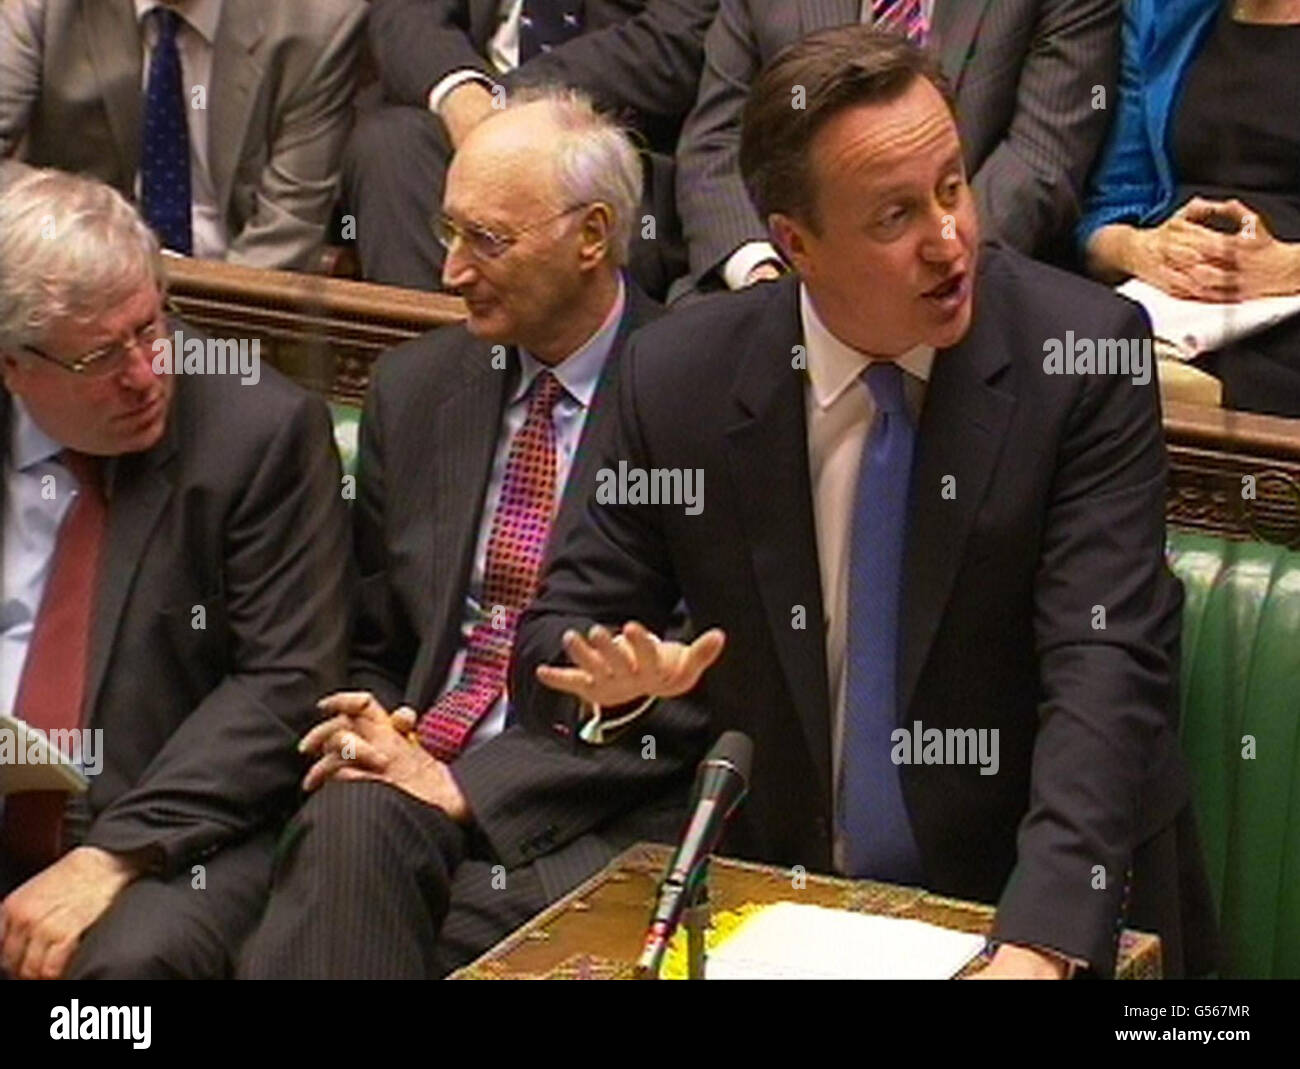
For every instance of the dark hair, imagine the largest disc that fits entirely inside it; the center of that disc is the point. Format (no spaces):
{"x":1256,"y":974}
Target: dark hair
{"x":836,"y":69}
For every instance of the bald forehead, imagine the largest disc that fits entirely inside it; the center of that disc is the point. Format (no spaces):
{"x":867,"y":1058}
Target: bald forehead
{"x":507,"y":158}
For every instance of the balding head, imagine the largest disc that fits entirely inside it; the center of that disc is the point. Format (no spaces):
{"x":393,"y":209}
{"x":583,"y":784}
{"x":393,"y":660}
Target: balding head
{"x":539,"y":207}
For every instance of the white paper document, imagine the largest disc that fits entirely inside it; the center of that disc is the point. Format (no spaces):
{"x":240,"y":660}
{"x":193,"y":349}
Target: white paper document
{"x":1186,"y":329}
{"x":791,"y":941}
{"x":29,"y":762}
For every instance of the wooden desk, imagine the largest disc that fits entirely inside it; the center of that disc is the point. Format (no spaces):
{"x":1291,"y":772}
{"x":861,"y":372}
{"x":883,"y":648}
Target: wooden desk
{"x":595,"y":931}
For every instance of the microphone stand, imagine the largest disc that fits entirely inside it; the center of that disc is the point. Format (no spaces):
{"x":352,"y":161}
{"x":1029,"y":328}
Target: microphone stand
{"x":695,"y":918}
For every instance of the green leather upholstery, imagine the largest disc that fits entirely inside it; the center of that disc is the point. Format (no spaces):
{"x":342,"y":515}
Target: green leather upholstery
{"x":1241,"y":682}
{"x":1240,"y":677}
{"x":347,"y":422}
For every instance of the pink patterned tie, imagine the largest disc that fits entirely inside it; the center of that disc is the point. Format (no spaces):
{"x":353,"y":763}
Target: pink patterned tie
{"x":514,"y":553}
{"x":907,"y":16}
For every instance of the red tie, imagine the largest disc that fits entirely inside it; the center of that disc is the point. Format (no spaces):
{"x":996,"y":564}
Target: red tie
{"x":53,"y":684}
{"x":520,"y":528}
{"x":905,"y":16}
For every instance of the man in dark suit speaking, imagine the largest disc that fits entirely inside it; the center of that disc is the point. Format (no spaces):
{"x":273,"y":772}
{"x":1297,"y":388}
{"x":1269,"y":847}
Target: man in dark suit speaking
{"x":475,"y":440}
{"x":175,"y":549}
{"x":908,"y":527}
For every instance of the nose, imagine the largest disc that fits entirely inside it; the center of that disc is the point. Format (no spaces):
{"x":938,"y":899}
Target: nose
{"x":459,"y":267}
{"x":942,"y":241}
{"x":137,"y":369}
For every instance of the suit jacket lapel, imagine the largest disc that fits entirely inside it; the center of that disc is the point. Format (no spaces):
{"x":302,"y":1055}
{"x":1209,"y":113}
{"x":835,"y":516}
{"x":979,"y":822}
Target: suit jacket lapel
{"x":956,"y":23}
{"x":139,"y":487}
{"x":116,"y":52}
{"x":236,"y":73}
{"x":767,"y":455}
{"x":462,"y":435}
{"x":962,"y":427}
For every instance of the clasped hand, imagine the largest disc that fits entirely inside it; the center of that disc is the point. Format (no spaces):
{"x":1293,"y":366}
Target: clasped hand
{"x":360,"y":740}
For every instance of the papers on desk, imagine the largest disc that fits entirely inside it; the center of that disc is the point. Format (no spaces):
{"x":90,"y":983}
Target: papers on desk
{"x":1186,"y":329}
{"x":29,"y":762}
{"x":791,"y":941}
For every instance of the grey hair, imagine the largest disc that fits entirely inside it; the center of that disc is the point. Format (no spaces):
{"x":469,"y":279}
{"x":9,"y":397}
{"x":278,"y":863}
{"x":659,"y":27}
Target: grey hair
{"x":71,"y":248}
{"x":595,"y":160}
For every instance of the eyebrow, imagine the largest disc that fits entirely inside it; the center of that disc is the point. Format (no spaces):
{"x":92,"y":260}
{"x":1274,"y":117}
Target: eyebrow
{"x":953,"y":162}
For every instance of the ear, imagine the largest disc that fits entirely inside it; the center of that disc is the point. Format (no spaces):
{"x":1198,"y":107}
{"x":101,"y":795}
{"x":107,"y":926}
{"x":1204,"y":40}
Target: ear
{"x":11,"y":368}
{"x":594,"y":236}
{"x":794,"y":239}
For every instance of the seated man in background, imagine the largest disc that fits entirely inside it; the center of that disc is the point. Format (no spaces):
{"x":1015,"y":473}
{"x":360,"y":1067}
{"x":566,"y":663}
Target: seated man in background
{"x":223,"y":119}
{"x":442,"y":61}
{"x":477,"y":445}
{"x":1198,"y":190}
{"x":1033,"y":81}
{"x":910,"y":527}
{"x":175,"y":555}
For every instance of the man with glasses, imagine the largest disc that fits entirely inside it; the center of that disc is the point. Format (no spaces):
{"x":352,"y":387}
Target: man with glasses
{"x":174,"y":562}
{"x":476,"y":449}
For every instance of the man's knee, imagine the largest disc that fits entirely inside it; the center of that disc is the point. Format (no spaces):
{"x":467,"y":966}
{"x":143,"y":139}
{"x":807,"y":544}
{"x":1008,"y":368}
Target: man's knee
{"x":135,"y":940}
{"x":384,"y":137}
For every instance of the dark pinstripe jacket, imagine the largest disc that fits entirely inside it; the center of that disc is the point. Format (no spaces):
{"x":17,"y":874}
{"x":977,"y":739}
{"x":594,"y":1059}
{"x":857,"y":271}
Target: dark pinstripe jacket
{"x":1025,"y":74}
{"x":428,"y":436}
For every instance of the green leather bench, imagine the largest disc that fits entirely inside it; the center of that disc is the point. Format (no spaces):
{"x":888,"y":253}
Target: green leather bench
{"x":1240,"y":677}
{"x":1241,"y":685}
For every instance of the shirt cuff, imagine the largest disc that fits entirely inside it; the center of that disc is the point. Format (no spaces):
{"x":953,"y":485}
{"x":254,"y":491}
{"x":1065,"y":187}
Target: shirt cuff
{"x":741,"y":262}
{"x":440,"y":92}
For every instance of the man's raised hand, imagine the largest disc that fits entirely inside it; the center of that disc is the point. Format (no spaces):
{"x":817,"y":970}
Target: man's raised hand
{"x":633,"y":665}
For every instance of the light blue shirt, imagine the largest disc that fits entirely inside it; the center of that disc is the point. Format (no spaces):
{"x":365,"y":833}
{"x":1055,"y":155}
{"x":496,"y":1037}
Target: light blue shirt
{"x":579,"y":374}
{"x":38,"y":491}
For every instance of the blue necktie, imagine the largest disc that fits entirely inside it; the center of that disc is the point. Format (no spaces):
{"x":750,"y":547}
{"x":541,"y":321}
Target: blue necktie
{"x":543,"y":24}
{"x":877,"y":834}
{"x":165,"y":143}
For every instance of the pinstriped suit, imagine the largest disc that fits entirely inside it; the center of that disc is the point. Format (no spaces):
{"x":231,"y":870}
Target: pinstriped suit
{"x":550,"y":815}
{"x":1024,"y":73}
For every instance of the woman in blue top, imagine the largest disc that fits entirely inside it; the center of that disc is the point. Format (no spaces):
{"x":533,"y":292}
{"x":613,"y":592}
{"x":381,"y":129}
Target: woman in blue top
{"x":1198,"y":189}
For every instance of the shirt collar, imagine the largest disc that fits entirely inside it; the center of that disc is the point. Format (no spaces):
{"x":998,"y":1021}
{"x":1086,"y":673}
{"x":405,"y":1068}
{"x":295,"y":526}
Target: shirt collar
{"x":833,"y":366}
{"x":579,"y":373}
{"x":201,"y":15}
{"x":31,"y":445}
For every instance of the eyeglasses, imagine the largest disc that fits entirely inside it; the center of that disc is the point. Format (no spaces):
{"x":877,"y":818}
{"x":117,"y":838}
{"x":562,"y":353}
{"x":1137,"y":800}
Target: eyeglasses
{"x":484,"y":244}
{"x":108,"y":359}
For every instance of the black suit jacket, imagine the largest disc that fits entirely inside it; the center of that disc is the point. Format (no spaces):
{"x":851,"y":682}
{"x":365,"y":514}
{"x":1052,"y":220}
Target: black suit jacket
{"x":1060,"y":488}
{"x":237,"y":510}
{"x":428,"y":436}
{"x":640,"y":58}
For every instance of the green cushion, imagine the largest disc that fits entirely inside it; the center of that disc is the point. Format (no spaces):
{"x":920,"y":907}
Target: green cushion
{"x":1240,"y":680}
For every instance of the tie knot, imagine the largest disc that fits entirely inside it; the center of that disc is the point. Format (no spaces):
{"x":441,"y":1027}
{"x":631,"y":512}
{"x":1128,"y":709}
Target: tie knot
{"x":168,"y":22}
{"x":885,"y":381}
{"x":547,"y":389}
{"x":87,"y":470}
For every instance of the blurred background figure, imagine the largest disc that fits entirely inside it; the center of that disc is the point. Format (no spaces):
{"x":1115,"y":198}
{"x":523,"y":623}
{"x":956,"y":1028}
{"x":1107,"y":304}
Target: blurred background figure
{"x":223,"y":119}
{"x":439,"y":61}
{"x":1031,"y":78}
{"x":1198,"y":190}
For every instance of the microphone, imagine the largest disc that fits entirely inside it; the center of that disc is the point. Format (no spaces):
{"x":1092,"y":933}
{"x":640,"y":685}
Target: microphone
{"x":720,"y":784}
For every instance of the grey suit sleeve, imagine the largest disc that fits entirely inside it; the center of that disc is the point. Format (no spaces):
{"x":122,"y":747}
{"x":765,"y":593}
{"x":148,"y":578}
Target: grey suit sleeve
{"x":296,"y":193}
{"x":232,"y":764}
{"x":648,"y":64}
{"x":716,"y":213}
{"x":22,"y":28}
{"x":417,"y":43}
{"x":1030,"y":187}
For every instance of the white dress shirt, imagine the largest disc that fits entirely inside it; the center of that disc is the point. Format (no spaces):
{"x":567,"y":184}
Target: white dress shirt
{"x":840,"y":412}
{"x":502,"y":53}
{"x":195,"y":39}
